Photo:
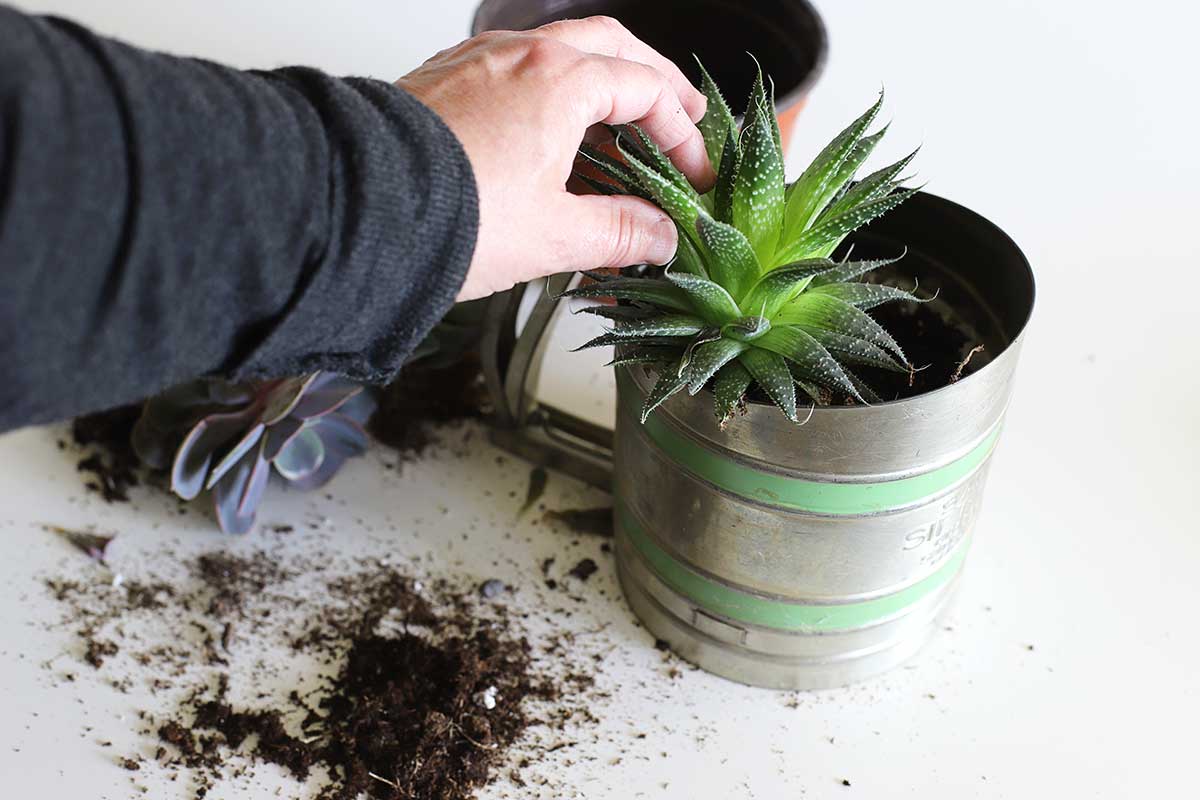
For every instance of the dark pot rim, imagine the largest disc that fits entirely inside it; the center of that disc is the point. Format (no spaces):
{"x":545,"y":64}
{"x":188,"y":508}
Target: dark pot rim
{"x":785,"y":101}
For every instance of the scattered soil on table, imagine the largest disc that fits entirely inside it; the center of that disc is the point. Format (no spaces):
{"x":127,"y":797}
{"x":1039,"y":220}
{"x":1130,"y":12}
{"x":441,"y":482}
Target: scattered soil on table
{"x":109,"y":461}
{"x":430,"y":691}
{"x":421,"y":398}
{"x":589,"y":521}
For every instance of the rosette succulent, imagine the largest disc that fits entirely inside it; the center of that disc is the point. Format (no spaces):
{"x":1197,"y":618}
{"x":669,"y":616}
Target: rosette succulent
{"x":753,"y":296}
{"x":227,"y":438}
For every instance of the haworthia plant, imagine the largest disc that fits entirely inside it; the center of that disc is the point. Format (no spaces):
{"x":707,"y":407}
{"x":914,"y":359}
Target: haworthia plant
{"x":753,"y":298}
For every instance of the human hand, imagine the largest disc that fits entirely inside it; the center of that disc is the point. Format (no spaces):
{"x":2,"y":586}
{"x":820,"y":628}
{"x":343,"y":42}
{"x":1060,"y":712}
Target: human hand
{"x":521,"y":103}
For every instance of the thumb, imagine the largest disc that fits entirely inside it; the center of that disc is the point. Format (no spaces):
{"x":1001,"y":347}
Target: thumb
{"x":617,"y":231}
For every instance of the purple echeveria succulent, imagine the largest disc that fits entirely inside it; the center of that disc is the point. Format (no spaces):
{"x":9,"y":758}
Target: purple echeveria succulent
{"x":225,"y":437}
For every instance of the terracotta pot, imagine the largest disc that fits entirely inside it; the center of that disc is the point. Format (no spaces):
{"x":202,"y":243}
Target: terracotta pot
{"x":786,"y":36}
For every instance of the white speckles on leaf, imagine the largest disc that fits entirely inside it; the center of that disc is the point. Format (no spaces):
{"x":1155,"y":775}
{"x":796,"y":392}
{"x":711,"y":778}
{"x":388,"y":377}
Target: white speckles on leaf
{"x":759,"y":189}
{"x":709,"y":299}
{"x":718,"y":122}
{"x":866,"y":295}
{"x":821,"y":239}
{"x":770,"y":372}
{"x":730,"y":387}
{"x":811,"y":358}
{"x":732,"y":262}
{"x":708,"y":358}
{"x":813,"y":185}
{"x":669,"y":382}
{"x":813,"y":309}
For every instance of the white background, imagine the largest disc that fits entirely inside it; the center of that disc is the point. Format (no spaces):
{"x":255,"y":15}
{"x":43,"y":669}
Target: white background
{"x":1073,"y":126}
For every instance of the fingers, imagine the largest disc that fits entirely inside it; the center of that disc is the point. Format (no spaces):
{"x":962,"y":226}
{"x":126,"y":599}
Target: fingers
{"x":616,"y":231}
{"x":606,"y":36}
{"x":625,"y":91}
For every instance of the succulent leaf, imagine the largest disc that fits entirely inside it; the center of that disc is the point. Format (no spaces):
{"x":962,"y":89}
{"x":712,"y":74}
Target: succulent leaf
{"x":669,"y":382}
{"x":599,"y":187}
{"x":326,"y":396}
{"x":708,"y":299}
{"x":747,"y":329}
{"x":154,"y":447}
{"x":688,"y":259}
{"x":283,"y":397}
{"x":619,"y":312}
{"x":195,"y":454}
{"x":718,"y":125}
{"x":703,"y":337}
{"x":841,"y":182}
{"x":727,"y":179}
{"x":225,"y":437}
{"x":770,"y":371}
{"x":609,"y":167}
{"x":360,"y":407}
{"x":658,"y":161}
{"x":321,"y":476}
{"x":822,"y":238}
{"x":866,"y":295}
{"x":341,"y":436}
{"x":822,"y":311}
{"x":732,"y":262}
{"x":278,"y":436}
{"x":780,"y":286}
{"x":866,"y":392}
{"x":813,"y":184}
{"x":302,"y":455}
{"x":810,"y":358}
{"x":237,"y":495}
{"x":759,"y":189}
{"x":648,"y":290}
{"x":848,"y":271}
{"x":729,"y":388}
{"x":874,"y":186}
{"x":642,"y":354}
{"x":774,"y":118}
{"x":235,"y":454}
{"x":812,"y":391}
{"x":665,"y":325}
{"x":710,"y":357}
{"x":680,"y":204}
{"x":852,"y":350}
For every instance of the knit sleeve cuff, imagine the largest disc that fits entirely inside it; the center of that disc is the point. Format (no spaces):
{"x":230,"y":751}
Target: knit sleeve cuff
{"x":403,"y":218}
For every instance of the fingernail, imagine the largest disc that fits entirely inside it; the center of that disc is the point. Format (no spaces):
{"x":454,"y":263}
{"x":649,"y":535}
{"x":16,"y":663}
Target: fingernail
{"x":665,"y":240}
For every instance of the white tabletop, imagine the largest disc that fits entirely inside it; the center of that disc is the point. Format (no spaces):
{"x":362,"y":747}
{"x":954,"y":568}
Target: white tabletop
{"x":1072,"y":126}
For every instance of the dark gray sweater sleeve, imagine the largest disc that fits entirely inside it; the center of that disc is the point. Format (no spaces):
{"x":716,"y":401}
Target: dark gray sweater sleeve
{"x":163,"y":218}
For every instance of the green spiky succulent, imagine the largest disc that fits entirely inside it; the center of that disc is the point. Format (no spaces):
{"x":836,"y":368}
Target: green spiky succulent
{"x":753,"y":296}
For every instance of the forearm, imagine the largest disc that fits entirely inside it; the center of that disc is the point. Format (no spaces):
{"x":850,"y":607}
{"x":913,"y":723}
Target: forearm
{"x":162,"y":218}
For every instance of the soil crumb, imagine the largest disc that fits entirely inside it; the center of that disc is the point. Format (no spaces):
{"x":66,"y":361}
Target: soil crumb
{"x":422,"y":398}
{"x":588,"y":521}
{"x":585,"y":569}
{"x":108,"y":459}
